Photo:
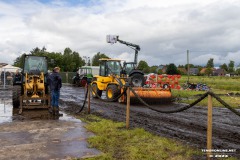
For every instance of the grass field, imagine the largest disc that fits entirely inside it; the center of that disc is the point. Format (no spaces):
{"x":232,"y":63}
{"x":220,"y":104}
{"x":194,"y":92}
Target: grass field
{"x":228,"y":88}
{"x":116,"y":142}
{"x":215,"y":82}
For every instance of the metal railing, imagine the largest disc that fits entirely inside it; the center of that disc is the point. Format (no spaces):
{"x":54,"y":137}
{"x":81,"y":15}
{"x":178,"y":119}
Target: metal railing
{"x":67,"y":77}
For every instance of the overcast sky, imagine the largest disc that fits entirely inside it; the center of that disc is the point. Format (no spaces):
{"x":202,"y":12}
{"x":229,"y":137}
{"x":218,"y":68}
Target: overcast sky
{"x":164,"y":29}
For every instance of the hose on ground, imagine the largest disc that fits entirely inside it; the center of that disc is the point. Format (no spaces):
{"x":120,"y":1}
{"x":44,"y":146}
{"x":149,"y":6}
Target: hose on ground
{"x":84,"y":102}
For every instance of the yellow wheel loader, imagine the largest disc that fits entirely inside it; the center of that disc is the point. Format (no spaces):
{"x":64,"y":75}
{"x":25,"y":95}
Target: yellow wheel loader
{"x":32,"y":91}
{"x":109,"y":73}
{"x":112,"y":77}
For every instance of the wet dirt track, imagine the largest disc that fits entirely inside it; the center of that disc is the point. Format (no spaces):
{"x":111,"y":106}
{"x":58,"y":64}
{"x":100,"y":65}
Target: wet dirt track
{"x":189,"y":126}
{"x":38,"y":135}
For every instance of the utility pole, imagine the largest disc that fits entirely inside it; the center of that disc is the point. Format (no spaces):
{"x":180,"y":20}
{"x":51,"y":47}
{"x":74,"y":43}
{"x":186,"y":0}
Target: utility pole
{"x":188,"y":64}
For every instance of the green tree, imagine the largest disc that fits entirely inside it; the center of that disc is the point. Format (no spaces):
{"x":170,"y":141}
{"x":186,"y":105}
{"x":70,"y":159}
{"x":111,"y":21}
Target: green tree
{"x":159,"y":71}
{"x":39,"y":52}
{"x":172,"y":69}
{"x":231,"y":67}
{"x":237,"y":71}
{"x":224,"y":66}
{"x":153,"y":69}
{"x":68,"y":61}
{"x":19,"y":61}
{"x":143,"y":65}
{"x":181,"y":66}
{"x":208,"y":71}
{"x":146,"y":70}
{"x":210,"y":63}
{"x":190,"y":66}
{"x":96,"y":57}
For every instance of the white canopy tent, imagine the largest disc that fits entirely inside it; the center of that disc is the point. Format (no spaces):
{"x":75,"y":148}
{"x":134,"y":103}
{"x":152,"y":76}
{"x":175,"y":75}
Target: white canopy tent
{"x":9,"y":68}
{"x":4,"y":76}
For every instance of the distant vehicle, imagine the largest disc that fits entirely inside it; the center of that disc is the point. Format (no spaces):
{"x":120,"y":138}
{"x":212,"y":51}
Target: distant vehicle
{"x":95,"y":69}
{"x":84,"y":75}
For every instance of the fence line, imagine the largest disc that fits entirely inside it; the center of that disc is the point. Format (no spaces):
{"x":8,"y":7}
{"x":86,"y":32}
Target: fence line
{"x":208,"y":94}
{"x":67,"y":77}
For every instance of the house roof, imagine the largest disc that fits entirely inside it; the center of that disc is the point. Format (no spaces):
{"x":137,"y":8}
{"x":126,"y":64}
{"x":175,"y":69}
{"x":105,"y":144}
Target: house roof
{"x":182,"y":70}
{"x":219,"y":71}
{"x":161,"y":66}
{"x":194,"y":70}
{"x":3,"y":64}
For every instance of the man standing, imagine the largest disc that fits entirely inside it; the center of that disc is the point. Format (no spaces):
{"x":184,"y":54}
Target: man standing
{"x":55,"y":82}
{"x":17,"y":77}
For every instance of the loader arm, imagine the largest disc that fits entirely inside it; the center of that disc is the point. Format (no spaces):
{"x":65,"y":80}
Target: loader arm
{"x":135,"y":47}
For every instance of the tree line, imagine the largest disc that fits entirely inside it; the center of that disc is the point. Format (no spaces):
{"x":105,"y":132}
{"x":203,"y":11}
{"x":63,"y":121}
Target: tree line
{"x":173,"y":69}
{"x":68,"y":61}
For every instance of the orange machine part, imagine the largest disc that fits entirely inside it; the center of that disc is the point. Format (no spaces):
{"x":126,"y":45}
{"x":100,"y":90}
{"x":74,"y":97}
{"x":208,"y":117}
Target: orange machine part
{"x":151,"y":95}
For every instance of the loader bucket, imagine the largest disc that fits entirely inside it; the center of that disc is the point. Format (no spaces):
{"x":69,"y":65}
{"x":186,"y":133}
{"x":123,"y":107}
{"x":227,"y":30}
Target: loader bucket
{"x":151,"y":95}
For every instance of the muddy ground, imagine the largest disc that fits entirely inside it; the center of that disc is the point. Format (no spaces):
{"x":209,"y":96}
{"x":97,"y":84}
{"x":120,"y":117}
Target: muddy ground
{"x":65,"y":137}
{"x":189,"y":126}
{"x":36,"y":134}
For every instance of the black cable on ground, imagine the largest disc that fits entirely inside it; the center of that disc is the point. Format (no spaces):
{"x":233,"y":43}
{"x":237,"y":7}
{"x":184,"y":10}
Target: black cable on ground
{"x":84,"y":102}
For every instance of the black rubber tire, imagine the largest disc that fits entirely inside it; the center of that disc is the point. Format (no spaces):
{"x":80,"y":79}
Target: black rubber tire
{"x":99,"y":92}
{"x":137,"y":80}
{"x":115,"y":92}
{"x":16,"y":93}
{"x":74,"y":81}
{"x":83,"y":82}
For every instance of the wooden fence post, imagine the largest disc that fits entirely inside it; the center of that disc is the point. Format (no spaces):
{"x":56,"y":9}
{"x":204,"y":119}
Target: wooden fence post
{"x":128,"y":108}
{"x":209,"y":127}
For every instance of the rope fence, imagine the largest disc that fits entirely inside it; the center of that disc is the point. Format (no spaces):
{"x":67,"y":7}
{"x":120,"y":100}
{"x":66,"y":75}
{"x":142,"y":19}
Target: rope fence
{"x":127,"y":89}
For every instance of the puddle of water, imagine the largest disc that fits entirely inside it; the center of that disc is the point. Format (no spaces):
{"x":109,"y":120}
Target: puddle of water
{"x":9,"y":114}
{"x":5,"y":112}
{"x":66,"y":117}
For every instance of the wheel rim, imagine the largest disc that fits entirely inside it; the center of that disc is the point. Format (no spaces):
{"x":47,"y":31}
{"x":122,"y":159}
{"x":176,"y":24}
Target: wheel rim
{"x":137,"y":82}
{"x":83,"y":82}
{"x":94,"y":90}
{"x":110,"y":93}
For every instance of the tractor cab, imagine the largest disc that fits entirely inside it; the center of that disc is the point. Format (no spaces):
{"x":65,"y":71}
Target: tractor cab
{"x":128,"y":67}
{"x":110,"y":67}
{"x":35,"y":65}
{"x":85,"y":71}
